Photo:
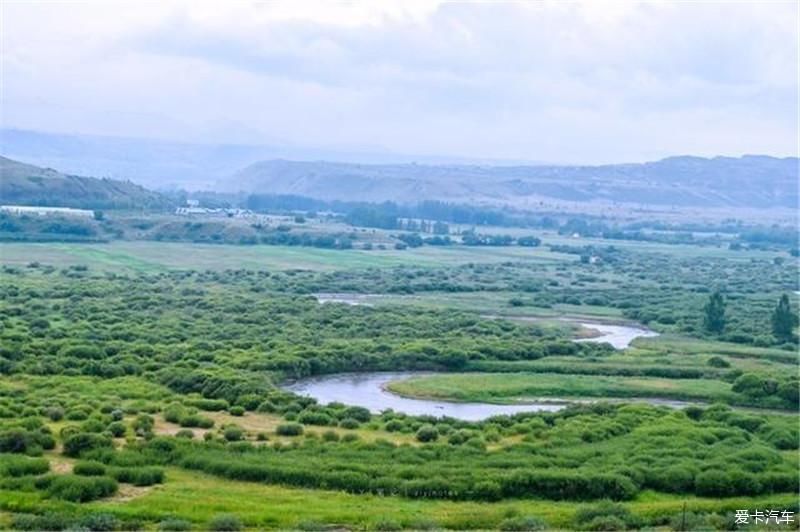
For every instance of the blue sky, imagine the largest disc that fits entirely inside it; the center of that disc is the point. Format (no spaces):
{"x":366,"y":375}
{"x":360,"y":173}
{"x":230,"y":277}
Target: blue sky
{"x":561,"y":82}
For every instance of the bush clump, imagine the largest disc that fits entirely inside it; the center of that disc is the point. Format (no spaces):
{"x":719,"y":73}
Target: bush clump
{"x":138,"y":476}
{"x":523,"y":524}
{"x":225,"y":523}
{"x":89,"y":469}
{"x":17,"y":466}
{"x":233,"y":433}
{"x":174,"y":525}
{"x":76,"y":488}
{"x":289,"y":429}
{"x":82,"y":442}
{"x":427,"y":433}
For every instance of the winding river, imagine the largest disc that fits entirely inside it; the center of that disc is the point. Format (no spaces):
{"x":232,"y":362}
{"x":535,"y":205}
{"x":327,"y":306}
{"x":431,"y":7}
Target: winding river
{"x":369,"y":389}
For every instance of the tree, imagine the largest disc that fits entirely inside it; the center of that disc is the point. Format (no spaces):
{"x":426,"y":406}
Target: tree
{"x":714,"y":319}
{"x":783,"y":319}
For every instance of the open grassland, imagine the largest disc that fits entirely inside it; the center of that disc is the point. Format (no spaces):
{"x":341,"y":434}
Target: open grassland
{"x":197,"y":498}
{"x":153,"y":257}
{"x":156,"y":395}
{"x":495,"y":303}
{"x":520,"y":387}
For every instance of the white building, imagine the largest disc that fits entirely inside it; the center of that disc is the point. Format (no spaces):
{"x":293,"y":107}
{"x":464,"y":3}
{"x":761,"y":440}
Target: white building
{"x":45,"y":211}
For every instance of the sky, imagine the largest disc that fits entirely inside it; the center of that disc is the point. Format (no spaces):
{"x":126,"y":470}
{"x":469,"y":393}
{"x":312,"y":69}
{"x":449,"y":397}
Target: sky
{"x":562,"y":82}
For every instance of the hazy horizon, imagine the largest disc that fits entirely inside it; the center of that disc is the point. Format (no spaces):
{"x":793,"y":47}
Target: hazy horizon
{"x":556,"y":83}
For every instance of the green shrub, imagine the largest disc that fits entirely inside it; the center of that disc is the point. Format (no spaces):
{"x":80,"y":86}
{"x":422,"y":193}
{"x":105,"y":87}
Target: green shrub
{"x":17,"y":466}
{"x":394,"y":425}
{"x":174,"y":525}
{"x":523,"y":524}
{"x":605,"y":523}
{"x":349,"y":423}
{"x":47,"y":521}
{"x":330,"y":435}
{"x":173,"y":413}
{"x":89,"y":469}
{"x":718,"y":362}
{"x":81,"y":489}
{"x":289,"y":429}
{"x":196,"y":421}
{"x":77,"y":415}
{"x":605,"y":515}
{"x":80,"y":443}
{"x":185,"y":433}
{"x":458,"y":437}
{"x":266,"y":407}
{"x":388,"y":525}
{"x":713,"y":483}
{"x":93,"y":425}
{"x":55,"y":413}
{"x":427,"y":433}
{"x":359,"y":413}
{"x":100,"y":522}
{"x":225,"y":523}
{"x":233,"y":433}
{"x":209,"y":405}
{"x":237,"y":410}
{"x":117,"y":429}
{"x":138,"y":476}
{"x":15,"y":441}
{"x":315,"y":418}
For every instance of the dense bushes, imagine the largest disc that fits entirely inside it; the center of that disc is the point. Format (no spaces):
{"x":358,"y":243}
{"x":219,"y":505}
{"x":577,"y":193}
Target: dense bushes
{"x":77,"y":444}
{"x":21,"y":440}
{"x":225,"y":523}
{"x":78,"y":488}
{"x":552,"y":484}
{"x":89,"y":469}
{"x":18,"y":466}
{"x":427,"y":433}
{"x":138,"y":476}
{"x":717,"y":457}
{"x":181,"y":344}
{"x":289,"y":429}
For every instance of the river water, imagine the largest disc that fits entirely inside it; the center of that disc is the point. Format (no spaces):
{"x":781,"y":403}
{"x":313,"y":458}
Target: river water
{"x":619,"y":336}
{"x":369,"y":389}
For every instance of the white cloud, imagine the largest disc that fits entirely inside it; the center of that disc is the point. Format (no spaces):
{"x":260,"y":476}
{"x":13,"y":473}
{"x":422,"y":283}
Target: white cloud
{"x":582,"y":82}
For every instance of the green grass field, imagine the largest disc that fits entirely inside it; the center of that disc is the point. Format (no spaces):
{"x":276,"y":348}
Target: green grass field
{"x":516,"y":387}
{"x":198,"y":498}
{"x":153,"y":257}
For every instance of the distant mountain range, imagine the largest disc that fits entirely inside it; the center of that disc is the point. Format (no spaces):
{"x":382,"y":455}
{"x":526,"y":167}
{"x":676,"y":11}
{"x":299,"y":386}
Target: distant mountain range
{"x":162,"y":164}
{"x":25,"y":184}
{"x":749,"y":181}
{"x":752,"y":181}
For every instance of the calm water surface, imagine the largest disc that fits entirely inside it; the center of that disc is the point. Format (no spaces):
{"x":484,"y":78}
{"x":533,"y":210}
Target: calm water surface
{"x":369,"y":389}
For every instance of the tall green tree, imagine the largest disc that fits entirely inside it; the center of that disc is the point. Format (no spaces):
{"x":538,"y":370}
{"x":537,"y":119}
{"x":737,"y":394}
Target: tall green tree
{"x":783,"y":319}
{"x":714,"y":318}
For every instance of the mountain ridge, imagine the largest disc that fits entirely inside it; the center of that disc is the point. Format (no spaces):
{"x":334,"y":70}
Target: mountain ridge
{"x":27,"y":184}
{"x":753,"y":181}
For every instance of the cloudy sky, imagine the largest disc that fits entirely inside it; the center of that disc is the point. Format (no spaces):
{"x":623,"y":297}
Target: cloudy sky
{"x":558,"y":82}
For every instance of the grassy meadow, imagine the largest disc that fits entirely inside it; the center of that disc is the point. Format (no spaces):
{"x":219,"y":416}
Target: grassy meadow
{"x":142,"y":387}
{"x":527,"y":387}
